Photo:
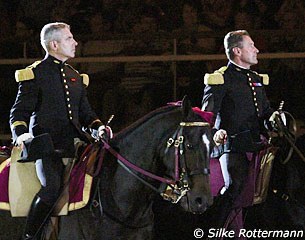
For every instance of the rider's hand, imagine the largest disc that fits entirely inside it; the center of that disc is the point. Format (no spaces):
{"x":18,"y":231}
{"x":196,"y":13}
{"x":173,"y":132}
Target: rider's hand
{"x":277,"y":114}
{"x":23,"y":137}
{"x":220,"y":137}
{"x":104,"y":132}
{"x":273,"y":116}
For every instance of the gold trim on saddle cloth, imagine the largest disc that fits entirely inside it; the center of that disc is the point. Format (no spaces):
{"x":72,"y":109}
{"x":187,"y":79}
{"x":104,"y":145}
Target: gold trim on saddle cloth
{"x":4,"y":163}
{"x":86,"y":194}
{"x":4,"y":205}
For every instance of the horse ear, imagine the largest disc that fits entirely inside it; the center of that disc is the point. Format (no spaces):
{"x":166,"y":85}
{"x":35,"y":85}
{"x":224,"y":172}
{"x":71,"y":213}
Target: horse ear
{"x":186,"y":106}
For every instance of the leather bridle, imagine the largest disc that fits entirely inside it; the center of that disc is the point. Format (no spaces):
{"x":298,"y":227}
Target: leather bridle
{"x":177,"y":187}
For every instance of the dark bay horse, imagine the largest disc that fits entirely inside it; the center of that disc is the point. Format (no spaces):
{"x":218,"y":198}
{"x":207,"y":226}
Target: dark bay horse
{"x":172,"y":142}
{"x":158,"y":142}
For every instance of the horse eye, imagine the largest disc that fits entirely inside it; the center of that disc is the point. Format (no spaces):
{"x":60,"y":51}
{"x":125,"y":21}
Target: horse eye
{"x":189,"y":146}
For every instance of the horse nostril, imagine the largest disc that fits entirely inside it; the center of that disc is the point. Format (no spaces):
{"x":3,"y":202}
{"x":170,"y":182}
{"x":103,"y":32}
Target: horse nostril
{"x":198,"y":200}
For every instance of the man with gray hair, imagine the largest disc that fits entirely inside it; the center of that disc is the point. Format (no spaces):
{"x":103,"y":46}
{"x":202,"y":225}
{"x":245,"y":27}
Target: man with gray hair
{"x":52,"y":101}
{"x":236,"y":96}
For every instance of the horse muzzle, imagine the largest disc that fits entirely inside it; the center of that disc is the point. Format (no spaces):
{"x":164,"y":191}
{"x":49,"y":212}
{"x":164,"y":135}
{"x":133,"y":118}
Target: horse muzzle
{"x":196,"y":203}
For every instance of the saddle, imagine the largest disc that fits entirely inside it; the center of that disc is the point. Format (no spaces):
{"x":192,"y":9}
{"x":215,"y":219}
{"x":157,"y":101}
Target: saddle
{"x":19,"y":184}
{"x":256,"y":188}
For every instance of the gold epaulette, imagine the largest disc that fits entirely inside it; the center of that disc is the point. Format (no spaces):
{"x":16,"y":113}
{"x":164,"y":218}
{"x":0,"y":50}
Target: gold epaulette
{"x":85,"y":78}
{"x":265,"y":78}
{"x":215,"y":78}
{"x":26,"y":73}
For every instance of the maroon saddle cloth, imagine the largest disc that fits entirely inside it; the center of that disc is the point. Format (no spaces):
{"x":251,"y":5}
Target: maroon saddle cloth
{"x":79,"y":185}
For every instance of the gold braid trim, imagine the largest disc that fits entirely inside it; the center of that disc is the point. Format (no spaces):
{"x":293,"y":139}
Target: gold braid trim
{"x":194,"y":124}
{"x":18,"y":123}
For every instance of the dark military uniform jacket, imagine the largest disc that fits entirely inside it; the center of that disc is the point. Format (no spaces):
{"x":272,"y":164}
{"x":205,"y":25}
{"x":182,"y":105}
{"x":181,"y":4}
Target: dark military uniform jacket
{"x":238,"y":100}
{"x":51,"y":99}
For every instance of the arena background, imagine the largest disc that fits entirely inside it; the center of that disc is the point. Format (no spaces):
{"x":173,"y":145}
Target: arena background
{"x":141,"y":54}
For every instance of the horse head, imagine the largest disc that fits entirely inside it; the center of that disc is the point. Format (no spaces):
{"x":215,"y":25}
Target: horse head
{"x":190,"y":145}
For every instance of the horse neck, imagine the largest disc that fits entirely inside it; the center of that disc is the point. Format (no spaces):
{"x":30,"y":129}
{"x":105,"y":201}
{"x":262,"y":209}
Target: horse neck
{"x":141,"y":142}
{"x":141,"y":146}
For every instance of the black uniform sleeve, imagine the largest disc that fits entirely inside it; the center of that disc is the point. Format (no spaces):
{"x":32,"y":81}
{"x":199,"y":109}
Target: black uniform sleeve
{"x":23,"y":107}
{"x":212,"y":98}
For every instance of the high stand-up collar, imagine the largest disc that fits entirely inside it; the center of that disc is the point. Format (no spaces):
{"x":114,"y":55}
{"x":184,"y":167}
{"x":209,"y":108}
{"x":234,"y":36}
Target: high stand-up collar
{"x":50,"y":58}
{"x":239,"y":68}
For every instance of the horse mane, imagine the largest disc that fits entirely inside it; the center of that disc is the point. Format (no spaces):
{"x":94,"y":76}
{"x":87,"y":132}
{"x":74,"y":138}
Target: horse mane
{"x":145,"y":118}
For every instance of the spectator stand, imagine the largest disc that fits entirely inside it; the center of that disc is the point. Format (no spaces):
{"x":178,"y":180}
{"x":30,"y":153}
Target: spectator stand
{"x":134,"y":46}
